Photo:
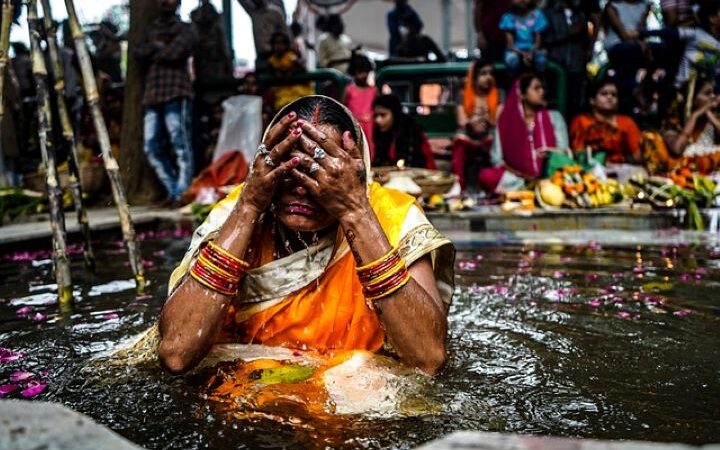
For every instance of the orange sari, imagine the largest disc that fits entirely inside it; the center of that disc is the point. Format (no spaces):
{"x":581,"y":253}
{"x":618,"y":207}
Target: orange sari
{"x":327,"y":312}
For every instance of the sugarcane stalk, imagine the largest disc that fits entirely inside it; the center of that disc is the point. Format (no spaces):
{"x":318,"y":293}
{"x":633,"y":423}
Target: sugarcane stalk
{"x":7,"y":14}
{"x":57,"y":217}
{"x":74,"y":178}
{"x":111,"y":165}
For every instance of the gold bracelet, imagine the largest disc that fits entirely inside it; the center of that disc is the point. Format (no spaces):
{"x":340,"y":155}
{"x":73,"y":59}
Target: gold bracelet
{"x":390,"y":291}
{"x":227,"y":254}
{"x":377,"y":261}
{"x":389,"y":273}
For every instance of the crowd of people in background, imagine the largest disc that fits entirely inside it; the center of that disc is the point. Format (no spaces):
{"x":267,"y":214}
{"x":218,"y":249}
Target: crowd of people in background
{"x":652,"y":105}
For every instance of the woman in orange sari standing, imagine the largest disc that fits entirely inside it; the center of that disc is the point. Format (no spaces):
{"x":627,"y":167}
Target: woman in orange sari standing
{"x":308,"y":254}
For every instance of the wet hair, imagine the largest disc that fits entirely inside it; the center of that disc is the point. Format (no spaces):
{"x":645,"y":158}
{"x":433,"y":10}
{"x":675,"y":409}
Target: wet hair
{"x":405,"y":133}
{"x":526,"y":79}
{"x":322,"y":111}
{"x":359,"y":63}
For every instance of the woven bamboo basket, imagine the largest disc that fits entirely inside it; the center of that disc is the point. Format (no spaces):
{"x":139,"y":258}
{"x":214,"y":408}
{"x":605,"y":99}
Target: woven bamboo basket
{"x":92,"y":177}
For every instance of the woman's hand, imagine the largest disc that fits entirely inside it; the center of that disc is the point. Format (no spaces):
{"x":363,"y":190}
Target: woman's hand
{"x":269,"y":169}
{"x":339,"y":182}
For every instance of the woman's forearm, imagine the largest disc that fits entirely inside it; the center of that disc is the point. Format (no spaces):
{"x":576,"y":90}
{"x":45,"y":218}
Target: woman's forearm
{"x":414,"y":320}
{"x":193,"y":315}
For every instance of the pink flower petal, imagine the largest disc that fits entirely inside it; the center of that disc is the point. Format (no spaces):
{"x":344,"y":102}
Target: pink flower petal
{"x":110,"y":316}
{"x":595,"y":302}
{"x":559,"y":274}
{"x":24,"y":311}
{"x":38,"y":317}
{"x":683,"y":312}
{"x":623,"y":315}
{"x":5,"y":389}
{"x":34,"y":388}
{"x":7,"y":355}
{"x":594,"y":245}
{"x":522,"y":264}
{"x":21,"y":375}
{"x":592,"y":276}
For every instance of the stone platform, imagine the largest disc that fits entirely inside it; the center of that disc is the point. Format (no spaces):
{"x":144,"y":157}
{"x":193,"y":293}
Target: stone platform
{"x":476,"y":440}
{"x":35,"y":425}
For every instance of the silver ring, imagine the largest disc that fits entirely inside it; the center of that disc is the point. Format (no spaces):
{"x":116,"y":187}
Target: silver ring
{"x":263,"y":150}
{"x":269,"y":161}
{"x":319,"y":153}
{"x":314,"y":167}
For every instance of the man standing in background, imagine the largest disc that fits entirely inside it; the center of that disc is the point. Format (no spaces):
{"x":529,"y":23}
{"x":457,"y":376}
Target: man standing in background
{"x":165,"y":52}
{"x":268,"y":18}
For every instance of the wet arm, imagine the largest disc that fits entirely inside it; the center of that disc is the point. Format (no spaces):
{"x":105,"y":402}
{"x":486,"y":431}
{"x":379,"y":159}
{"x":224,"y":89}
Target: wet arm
{"x":414,"y":318}
{"x":193,"y":315}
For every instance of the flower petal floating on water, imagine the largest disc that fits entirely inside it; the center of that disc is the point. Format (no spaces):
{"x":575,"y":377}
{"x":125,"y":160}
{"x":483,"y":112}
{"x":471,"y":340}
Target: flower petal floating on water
{"x":6,"y":389}
{"x":34,"y":389}
{"x":24,"y":311}
{"x":21,"y":375}
{"x":595,"y":302}
{"x":623,"y":315}
{"x":7,"y":355}
{"x":592,"y":277}
{"x":110,"y":316}
{"x":594,"y":245}
{"x":523,"y":264}
{"x":38,"y":317}
{"x":559,"y":274}
{"x":683,"y":312}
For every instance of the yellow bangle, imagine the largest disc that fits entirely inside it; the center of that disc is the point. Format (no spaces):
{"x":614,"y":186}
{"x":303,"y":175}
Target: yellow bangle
{"x":388,"y":292}
{"x":377,"y":261}
{"x":227,"y":254}
{"x":392,"y":271}
{"x":217,"y":269}
{"x":211,"y":287}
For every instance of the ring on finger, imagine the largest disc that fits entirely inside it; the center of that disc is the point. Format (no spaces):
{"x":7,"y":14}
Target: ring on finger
{"x":263,"y":150}
{"x":319,"y":153}
{"x":269,"y":161}
{"x":314,"y":167}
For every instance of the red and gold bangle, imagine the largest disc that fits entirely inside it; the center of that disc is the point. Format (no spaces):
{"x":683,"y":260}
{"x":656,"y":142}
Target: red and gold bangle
{"x":224,"y":259}
{"x":384,"y":275}
{"x":390,"y":254}
{"x":399,"y":284}
{"x":204,"y":277}
{"x":377,"y":289}
{"x":377,"y":271}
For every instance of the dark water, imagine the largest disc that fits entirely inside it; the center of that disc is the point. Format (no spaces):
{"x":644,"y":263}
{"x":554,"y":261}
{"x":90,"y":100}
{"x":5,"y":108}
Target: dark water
{"x":572,"y":341}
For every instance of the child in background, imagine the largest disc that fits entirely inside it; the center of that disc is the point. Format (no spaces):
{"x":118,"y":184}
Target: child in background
{"x":359,"y":96}
{"x":523,"y":26}
{"x":284,"y":64}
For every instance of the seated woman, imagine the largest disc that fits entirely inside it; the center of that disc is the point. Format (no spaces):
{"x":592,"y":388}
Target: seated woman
{"x":476,"y":115}
{"x":397,"y":136}
{"x":309,"y":254}
{"x":603,"y":129}
{"x":526,"y":130}
{"x":701,"y":132}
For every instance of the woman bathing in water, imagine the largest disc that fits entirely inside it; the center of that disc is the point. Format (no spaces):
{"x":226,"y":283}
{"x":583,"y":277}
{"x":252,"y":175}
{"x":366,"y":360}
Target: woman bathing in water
{"x":309,"y":254}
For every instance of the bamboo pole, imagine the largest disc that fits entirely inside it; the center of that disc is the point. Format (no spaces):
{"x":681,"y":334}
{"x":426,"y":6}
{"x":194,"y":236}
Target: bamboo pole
{"x":7,"y":14}
{"x":68,"y":135}
{"x":111,"y":165}
{"x":57,"y":217}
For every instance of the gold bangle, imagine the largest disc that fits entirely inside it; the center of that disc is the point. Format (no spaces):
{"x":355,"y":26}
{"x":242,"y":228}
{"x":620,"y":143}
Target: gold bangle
{"x":377,"y":261}
{"x":390,"y":272}
{"x":210,"y":286}
{"x":389,"y":291}
{"x":227,"y":254}
{"x":206,"y":262}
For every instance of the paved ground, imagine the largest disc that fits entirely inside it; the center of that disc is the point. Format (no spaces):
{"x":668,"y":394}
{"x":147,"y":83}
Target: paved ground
{"x":475,"y":440}
{"x":100,"y":219}
{"x":35,"y":425}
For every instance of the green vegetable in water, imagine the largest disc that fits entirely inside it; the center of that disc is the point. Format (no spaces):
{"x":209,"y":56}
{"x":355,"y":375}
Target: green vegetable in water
{"x":285,"y":374}
{"x":658,"y":287}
